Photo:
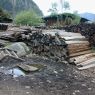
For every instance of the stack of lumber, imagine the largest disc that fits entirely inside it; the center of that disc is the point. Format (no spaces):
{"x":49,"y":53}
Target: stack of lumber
{"x":77,"y":47}
{"x":86,"y":29}
{"x":79,"y":51}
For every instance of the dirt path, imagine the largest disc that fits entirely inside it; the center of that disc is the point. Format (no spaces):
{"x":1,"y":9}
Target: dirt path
{"x":53,"y":79}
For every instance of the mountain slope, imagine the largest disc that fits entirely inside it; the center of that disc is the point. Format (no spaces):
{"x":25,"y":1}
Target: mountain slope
{"x":89,"y":16}
{"x":19,"y":5}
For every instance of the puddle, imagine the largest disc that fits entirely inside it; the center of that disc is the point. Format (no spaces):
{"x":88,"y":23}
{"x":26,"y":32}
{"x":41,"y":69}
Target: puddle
{"x":16,"y":72}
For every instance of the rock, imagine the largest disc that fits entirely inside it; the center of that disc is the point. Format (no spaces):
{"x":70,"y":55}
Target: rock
{"x":20,"y":47}
{"x":28,"y":68}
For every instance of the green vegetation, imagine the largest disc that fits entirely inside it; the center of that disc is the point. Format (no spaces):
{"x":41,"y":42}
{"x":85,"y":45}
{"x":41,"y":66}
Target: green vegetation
{"x":27,"y":18}
{"x":4,"y":14}
{"x":68,"y":21}
{"x":16,"y":6}
{"x":71,"y":19}
{"x":76,"y":20}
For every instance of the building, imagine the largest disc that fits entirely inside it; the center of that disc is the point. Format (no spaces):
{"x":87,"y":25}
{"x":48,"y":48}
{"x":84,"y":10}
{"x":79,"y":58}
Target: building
{"x":60,"y":19}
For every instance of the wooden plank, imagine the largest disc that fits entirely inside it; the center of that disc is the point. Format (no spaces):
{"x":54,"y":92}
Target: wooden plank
{"x":76,"y":42}
{"x":74,"y":38}
{"x":14,"y":54}
{"x":82,"y":58}
{"x":62,"y":33}
{"x":80,"y":53}
{"x":68,"y":34}
{"x":88,"y":66}
{"x":7,"y":52}
{"x":77,"y":50}
{"x":77,"y":45}
{"x":20,"y":59}
{"x":87,"y":61}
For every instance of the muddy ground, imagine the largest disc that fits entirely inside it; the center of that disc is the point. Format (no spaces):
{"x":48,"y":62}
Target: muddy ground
{"x":52,"y":79}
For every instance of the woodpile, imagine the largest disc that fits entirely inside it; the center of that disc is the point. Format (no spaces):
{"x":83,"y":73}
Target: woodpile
{"x":86,"y":29}
{"x":40,"y":43}
{"x":78,"y":49}
{"x":57,"y":45}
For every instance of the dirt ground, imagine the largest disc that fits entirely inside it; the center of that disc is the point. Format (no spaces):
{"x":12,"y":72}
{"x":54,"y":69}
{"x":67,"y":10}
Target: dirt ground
{"x":53,"y":79}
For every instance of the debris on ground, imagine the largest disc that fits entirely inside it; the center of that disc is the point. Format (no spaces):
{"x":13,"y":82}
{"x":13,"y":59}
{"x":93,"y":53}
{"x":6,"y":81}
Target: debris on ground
{"x":9,"y":53}
{"x":27,"y":68}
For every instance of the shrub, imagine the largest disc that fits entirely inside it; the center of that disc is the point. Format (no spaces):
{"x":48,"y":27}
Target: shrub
{"x":27,"y":18}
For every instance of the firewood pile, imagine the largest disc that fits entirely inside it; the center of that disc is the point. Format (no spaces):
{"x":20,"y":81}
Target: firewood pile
{"x":87,"y":30}
{"x":55,"y":44}
{"x":42,"y":44}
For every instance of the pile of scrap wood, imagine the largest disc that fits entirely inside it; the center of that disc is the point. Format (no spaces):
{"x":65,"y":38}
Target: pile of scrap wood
{"x":8,"y":53}
{"x":56,"y":44}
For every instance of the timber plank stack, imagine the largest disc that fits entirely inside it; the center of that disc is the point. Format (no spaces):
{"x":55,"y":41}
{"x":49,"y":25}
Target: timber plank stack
{"x":86,"y":29}
{"x":79,"y":51}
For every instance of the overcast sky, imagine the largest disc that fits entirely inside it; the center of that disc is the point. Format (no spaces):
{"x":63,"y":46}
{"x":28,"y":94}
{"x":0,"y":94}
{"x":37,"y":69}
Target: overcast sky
{"x":79,"y":5}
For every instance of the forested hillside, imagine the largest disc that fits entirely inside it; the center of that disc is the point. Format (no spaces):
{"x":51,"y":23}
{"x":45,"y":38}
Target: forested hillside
{"x":15,"y":6}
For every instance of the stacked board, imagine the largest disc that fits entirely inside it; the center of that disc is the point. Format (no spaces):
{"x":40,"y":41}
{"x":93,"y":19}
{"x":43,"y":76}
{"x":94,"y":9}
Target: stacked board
{"x":78,"y":49}
{"x":80,"y":52}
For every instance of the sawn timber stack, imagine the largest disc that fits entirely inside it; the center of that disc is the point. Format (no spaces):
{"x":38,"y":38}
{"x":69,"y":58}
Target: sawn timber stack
{"x":79,"y":51}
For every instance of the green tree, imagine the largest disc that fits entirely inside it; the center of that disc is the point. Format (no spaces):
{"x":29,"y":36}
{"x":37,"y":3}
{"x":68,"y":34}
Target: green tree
{"x":27,"y":18}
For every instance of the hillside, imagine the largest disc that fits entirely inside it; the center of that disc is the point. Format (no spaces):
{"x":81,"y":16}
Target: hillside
{"x":19,"y":5}
{"x":89,"y":16}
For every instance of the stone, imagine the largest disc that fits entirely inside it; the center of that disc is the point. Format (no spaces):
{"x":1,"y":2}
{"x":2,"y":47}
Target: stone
{"x":20,"y":47}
